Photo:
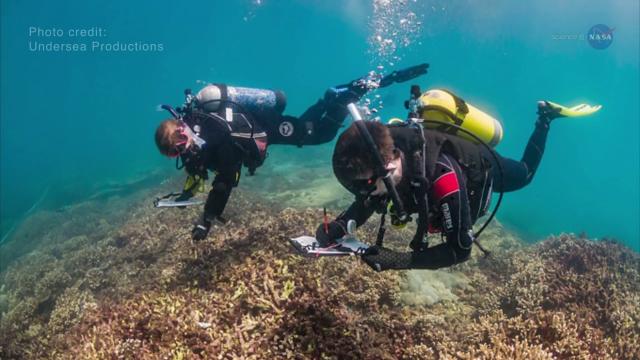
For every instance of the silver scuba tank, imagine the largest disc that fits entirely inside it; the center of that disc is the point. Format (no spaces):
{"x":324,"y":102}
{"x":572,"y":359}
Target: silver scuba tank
{"x":258,"y":101}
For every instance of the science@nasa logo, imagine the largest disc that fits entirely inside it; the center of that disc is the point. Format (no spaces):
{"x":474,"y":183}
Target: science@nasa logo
{"x":600,"y":36}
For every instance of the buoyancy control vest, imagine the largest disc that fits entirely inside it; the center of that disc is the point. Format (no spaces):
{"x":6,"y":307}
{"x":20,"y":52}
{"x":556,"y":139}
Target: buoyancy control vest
{"x":248,"y":137}
{"x":469,"y":156}
{"x":235,"y":111}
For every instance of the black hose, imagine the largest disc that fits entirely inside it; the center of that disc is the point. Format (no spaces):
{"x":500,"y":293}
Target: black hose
{"x":381,"y":171}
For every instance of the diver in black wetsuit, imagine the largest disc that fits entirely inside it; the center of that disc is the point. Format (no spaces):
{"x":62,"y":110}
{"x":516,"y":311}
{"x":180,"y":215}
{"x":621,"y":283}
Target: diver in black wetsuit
{"x":450,"y":192}
{"x":230,"y":127}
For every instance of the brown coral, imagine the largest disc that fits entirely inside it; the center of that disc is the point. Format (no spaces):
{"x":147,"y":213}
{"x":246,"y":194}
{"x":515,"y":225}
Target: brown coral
{"x":242,"y":293}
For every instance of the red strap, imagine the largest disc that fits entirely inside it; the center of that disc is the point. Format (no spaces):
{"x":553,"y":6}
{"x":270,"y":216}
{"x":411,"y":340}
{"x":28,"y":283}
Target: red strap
{"x":445,"y":185}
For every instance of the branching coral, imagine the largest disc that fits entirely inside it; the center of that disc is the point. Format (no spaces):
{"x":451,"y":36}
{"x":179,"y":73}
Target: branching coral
{"x":145,"y":290}
{"x":69,"y":309}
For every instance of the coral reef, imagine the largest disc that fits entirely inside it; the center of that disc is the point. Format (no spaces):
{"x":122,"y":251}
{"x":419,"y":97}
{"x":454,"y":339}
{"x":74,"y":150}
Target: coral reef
{"x":140,"y":288}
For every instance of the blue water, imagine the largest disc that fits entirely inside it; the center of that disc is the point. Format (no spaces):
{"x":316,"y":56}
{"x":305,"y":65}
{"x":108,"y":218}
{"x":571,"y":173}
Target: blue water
{"x":71,"y":121}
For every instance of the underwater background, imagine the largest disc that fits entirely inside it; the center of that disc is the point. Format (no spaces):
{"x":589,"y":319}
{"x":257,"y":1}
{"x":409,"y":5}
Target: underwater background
{"x":75,"y":122}
{"x":89,"y":269}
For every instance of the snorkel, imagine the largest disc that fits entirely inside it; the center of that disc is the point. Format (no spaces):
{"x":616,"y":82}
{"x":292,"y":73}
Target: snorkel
{"x":379,"y":170}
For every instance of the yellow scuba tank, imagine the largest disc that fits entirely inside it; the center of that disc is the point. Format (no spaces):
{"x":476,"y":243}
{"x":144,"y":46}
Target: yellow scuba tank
{"x":445,"y":108}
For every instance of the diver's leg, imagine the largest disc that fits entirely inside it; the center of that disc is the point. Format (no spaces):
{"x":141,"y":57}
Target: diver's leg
{"x":518,"y":174}
{"x":320,"y":123}
{"x":535,"y":147}
{"x":508,"y":174}
{"x":435,"y":257}
{"x":315,"y":126}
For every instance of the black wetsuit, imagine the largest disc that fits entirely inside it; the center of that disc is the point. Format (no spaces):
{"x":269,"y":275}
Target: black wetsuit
{"x":225,"y":156}
{"x":460,"y":187}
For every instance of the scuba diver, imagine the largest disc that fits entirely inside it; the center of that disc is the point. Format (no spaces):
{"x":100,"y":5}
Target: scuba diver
{"x":440,"y":165}
{"x":223,"y":127}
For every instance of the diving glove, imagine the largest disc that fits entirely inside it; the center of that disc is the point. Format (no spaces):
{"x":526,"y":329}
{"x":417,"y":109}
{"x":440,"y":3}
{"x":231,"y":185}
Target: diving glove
{"x":327,"y":235}
{"x":184,"y":196}
{"x":201,"y":230}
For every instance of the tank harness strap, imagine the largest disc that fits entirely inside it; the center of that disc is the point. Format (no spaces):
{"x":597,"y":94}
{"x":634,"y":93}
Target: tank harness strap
{"x":224,"y":110}
{"x":420,"y":186}
{"x":462,"y":109}
{"x":417,"y":156}
{"x":382,"y":228}
{"x":461,"y":105}
{"x":224,"y":92}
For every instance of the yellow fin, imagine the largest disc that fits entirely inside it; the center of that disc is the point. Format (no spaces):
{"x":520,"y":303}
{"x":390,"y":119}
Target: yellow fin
{"x":575,"y":111}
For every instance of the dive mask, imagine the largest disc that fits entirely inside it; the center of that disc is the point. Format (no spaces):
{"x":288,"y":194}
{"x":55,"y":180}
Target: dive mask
{"x":182,"y":145}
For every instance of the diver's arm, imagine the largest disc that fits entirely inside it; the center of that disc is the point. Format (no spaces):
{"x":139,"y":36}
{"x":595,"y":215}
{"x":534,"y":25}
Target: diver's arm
{"x":217,"y":199}
{"x":213,"y":208}
{"x":221,"y":188}
{"x":360,"y":211}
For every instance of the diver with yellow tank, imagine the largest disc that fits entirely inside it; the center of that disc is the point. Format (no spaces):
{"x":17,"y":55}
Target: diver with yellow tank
{"x":440,"y":165}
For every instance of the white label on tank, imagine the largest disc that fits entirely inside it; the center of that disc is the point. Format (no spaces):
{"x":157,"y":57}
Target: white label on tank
{"x":228,"y":114}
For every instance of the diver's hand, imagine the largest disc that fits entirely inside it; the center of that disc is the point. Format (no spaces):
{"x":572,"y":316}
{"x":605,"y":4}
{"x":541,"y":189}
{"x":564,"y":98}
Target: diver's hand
{"x":184,"y":196}
{"x":201,"y":230}
{"x":327,"y":235}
